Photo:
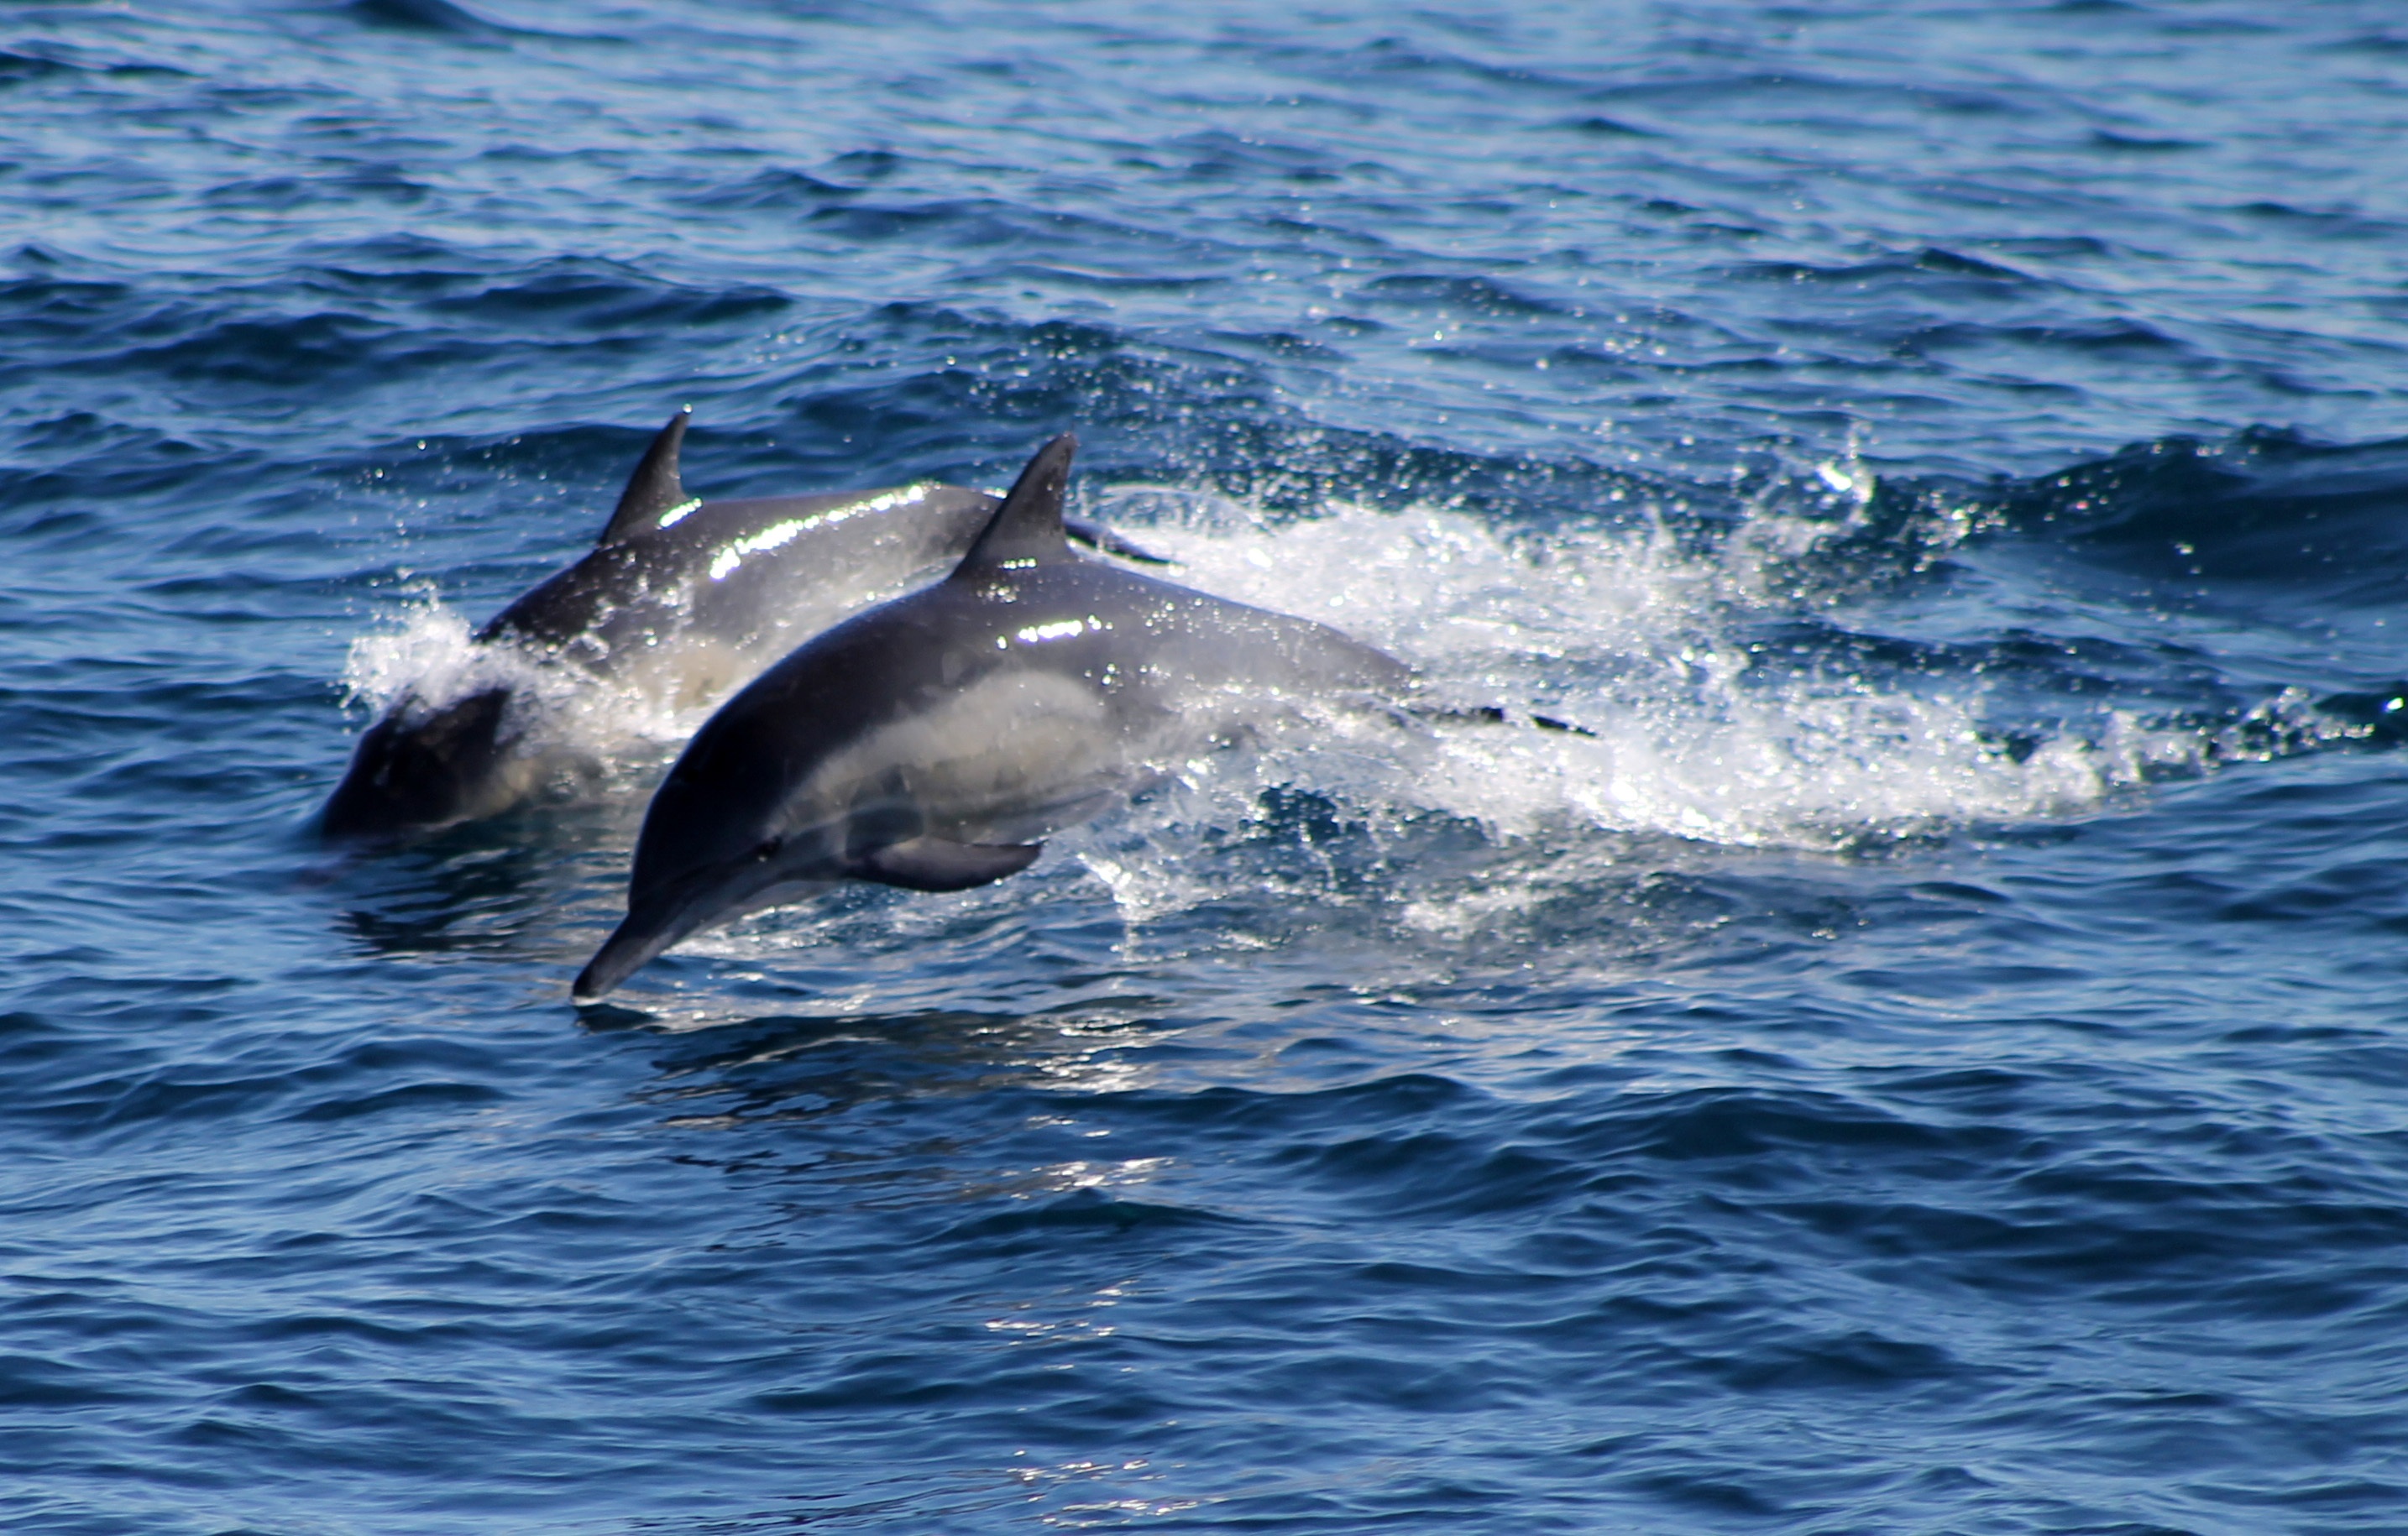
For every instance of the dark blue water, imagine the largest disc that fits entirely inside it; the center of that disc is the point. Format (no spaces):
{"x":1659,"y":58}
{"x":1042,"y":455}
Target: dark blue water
{"x":1932,"y":1059}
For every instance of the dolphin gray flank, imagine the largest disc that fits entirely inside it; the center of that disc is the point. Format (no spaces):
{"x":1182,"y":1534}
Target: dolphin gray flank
{"x":681,"y":600}
{"x":933,"y":741}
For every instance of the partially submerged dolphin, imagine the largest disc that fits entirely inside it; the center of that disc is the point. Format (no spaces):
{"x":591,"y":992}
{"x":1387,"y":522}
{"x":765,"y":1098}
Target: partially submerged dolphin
{"x":929,"y":743}
{"x":679,"y":600}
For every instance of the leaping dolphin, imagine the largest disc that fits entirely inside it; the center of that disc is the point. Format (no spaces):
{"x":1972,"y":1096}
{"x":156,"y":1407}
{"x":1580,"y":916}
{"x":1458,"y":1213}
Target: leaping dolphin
{"x":680,"y":599}
{"x":930,"y":742}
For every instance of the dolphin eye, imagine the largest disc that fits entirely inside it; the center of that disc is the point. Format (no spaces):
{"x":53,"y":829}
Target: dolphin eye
{"x":767,"y":850}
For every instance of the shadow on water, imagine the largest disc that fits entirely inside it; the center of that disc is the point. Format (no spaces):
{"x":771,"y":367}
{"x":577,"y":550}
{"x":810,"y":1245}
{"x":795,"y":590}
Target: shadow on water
{"x":480,"y":886}
{"x":791,"y":1067}
{"x":438,"y":18}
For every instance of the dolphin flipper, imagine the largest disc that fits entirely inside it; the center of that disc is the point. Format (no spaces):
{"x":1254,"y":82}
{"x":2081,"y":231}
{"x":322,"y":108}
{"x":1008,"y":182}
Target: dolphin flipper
{"x":1489,"y":715}
{"x":932,"y":863}
{"x":653,"y":490}
{"x":1095,"y":537}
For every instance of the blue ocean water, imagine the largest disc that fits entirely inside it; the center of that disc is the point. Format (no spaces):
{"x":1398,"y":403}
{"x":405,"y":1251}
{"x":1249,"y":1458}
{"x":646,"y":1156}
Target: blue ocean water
{"x":1931,"y":1059}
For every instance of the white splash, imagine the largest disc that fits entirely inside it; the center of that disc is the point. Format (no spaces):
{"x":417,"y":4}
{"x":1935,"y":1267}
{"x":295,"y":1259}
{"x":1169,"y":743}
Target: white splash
{"x":1689,"y":729}
{"x":426,"y":656}
{"x":1637,"y":640}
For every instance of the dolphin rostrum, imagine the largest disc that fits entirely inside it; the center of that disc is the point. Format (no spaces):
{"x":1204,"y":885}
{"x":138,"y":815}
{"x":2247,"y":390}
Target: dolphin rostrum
{"x":681,"y":600}
{"x":929,"y":743}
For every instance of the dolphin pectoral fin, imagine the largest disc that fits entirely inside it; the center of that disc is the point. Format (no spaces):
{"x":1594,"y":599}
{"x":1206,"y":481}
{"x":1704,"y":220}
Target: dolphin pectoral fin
{"x":654,"y":492}
{"x":1104,"y":541}
{"x":1490,"y":715}
{"x":932,"y":863}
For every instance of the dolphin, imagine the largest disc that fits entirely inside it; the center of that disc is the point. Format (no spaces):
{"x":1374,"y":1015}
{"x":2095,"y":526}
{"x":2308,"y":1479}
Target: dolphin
{"x":679,"y":600}
{"x":933,"y":741}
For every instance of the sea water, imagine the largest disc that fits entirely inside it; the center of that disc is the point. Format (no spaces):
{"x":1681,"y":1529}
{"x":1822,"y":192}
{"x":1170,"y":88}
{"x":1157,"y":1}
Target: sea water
{"x":1923,"y":1052}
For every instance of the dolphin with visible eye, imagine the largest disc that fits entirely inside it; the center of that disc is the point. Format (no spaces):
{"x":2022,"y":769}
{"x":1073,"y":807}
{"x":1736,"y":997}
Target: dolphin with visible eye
{"x":931,"y":742}
{"x":681,"y":601}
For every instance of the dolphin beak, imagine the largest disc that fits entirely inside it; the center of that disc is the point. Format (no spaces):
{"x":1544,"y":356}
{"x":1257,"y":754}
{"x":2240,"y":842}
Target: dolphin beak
{"x":703,"y":899}
{"x":645,"y":934}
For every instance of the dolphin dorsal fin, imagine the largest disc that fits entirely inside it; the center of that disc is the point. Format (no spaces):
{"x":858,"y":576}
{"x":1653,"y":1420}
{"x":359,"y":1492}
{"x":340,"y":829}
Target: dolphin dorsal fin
{"x":1026,"y":530}
{"x":655,"y":498}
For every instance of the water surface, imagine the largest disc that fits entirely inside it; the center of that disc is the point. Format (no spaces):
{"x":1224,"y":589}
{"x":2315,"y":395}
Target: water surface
{"x":1929,"y":1059}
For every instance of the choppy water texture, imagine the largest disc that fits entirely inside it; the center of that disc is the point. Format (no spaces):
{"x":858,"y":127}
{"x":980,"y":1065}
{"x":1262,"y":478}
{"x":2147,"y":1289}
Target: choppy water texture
{"x":1931,"y":1059}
